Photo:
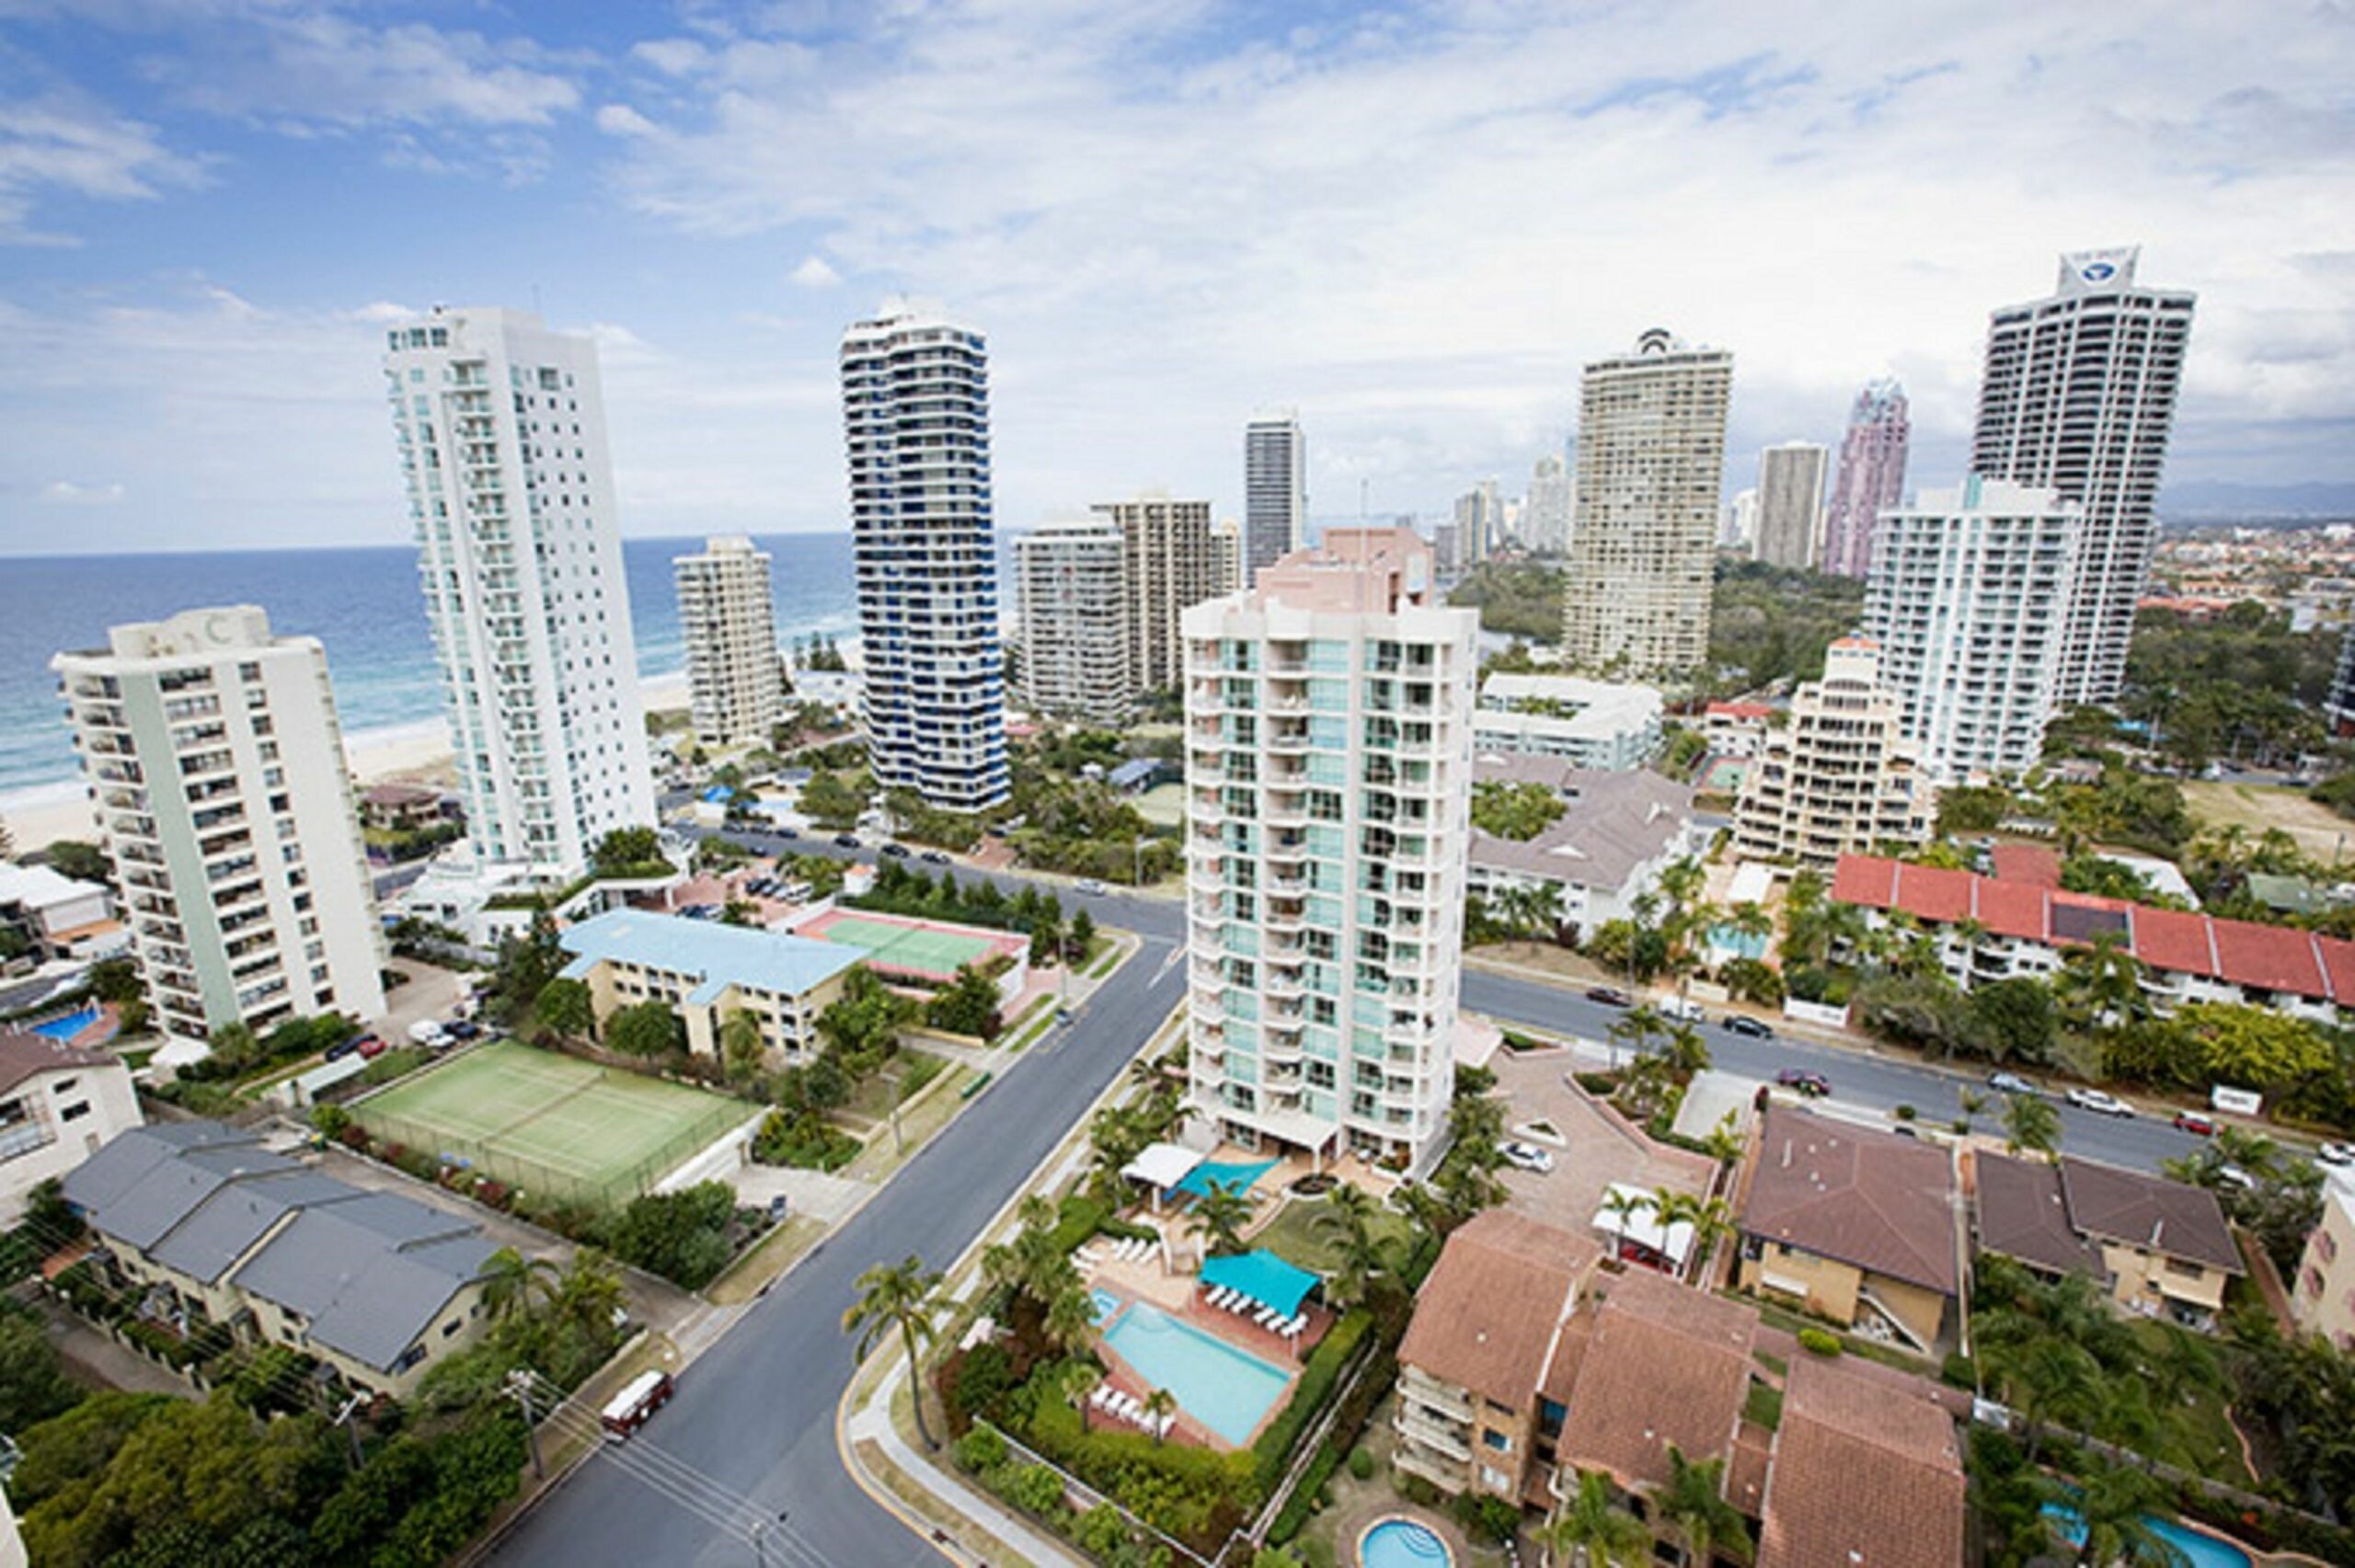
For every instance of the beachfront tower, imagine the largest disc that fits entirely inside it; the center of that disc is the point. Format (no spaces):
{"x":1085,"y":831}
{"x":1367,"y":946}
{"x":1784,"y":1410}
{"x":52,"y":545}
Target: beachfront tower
{"x":500,"y":427}
{"x":216,"y":770}
{"x":735,"y":679}
{"x":1275,"y":489}
{"x":1328,"y":760}
{"x":916,"y":421}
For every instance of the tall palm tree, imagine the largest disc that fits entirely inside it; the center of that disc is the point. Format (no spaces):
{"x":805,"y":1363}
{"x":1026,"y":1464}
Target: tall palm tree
{"x":1074,"y":1381}
{"x":1218,"y":1218}
{"x":1622,"y":1204}
{"x":902,"y":1298}
{"x":2115,"y":1505}
{"x":1686,"y":1052}
{"x":2046,"y":1378}
{"x":590,"y":1291}
{"x":1723,"y":1141}
{"x":740,"y":1044}
{"x":1071,"y":1317}
{"x":2100,"y":986}
{"x":1693,"y":1506}
{"x":1591,"y":1522}
{"x":512,"y":1283}
{"x":1159,"y":1403}
{"x":1349,"y":1219}
{"x":1636,"y":1029}
{"x":2031,"y":1125}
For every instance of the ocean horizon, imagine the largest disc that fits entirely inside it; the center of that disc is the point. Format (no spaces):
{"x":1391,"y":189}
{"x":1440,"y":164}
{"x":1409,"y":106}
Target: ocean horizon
{"x":363,"y":603}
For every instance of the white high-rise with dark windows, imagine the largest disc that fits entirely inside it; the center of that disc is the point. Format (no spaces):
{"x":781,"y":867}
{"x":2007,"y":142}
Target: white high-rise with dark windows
{"x":2078,"y":396}
{"x":916,"y":419}
{"x":1275,"y":489}
{"x":216,"y":768}
{"x":1071,"y":609}
{"x":501,"y":426}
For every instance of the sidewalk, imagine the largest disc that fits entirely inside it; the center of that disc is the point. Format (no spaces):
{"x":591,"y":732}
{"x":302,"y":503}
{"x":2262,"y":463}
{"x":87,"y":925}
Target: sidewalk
{"x":872,"y":1422}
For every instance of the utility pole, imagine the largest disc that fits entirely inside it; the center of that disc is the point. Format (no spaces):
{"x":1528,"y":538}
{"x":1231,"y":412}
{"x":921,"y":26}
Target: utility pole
{"x":352,"y":1428}
{"x":519,"y":1388}
{"x":760,"y":1538}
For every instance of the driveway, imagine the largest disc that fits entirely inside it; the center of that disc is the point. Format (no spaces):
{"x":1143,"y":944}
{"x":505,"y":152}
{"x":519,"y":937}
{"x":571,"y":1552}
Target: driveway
{"x":1596,"y":1148}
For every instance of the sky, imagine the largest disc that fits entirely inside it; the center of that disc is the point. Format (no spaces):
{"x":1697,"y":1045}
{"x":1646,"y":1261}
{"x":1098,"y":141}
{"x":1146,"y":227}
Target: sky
{"x":1413,"y":223}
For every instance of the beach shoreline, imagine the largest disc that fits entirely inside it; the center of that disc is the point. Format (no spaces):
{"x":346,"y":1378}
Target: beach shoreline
{"x":408,"y":753}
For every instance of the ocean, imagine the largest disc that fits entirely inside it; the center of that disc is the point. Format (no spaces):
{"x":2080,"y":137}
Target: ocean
{"x":362,"y":604}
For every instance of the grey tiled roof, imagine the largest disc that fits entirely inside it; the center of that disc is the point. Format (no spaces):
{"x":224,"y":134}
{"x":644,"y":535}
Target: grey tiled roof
{"x":363,"y":1293}
{"x":225,"y":1225}
{"x":130,"y":1155}
{"x":169,"y":1190}
{"x":1615,"y":822}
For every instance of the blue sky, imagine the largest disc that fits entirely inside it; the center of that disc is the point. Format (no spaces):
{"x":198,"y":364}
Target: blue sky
{"x":1413,"y":221}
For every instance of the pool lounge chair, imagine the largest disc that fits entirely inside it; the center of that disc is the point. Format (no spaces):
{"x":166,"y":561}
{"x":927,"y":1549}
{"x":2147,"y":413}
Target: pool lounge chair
{"x":1101,"y":1397}
{"x":1218,"y":1295}
{"x":1161,"y":1426}
{"x":1265,"y":1317}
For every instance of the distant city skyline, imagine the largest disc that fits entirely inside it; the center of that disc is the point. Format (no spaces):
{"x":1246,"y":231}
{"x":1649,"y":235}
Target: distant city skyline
{"x":207,"y":215}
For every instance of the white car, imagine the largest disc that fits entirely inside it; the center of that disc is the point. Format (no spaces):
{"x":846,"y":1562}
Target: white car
{"x":1680,"y":1007}
{"x":1092,"y":885}
{"x":1528,"y":1157}
{"x":2099,"y":1103}
{"x":2340,"y":1154}
{"x":429,"y":1032}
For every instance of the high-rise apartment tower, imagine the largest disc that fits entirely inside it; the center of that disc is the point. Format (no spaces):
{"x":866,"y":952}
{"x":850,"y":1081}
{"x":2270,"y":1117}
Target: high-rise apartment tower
{"x":216,"y":767}
{"x":1175,"y":558}
{"x":917,"y":418}
{"x":1650,"y":460}
{"x":1329,"y":758}
{"x":735,"y":678}
{"x":1790,"y":503}
{"x":2078,"y":396}
{"x":1871,"y":476}
{"x":1275,"y":489}
{"x":1071,"y":594}
{"x":501,"y":426}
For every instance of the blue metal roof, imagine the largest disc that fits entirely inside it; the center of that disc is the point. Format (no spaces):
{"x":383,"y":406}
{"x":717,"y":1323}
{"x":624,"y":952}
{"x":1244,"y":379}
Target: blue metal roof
{"x":718,"y":955}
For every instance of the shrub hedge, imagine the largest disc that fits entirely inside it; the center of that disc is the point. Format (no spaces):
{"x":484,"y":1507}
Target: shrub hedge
{"x":1317,"y":1379}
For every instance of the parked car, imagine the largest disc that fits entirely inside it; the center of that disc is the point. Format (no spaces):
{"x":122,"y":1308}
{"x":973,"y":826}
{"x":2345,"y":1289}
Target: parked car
{"x":2233,"y":1176}
{"x":784,"y":832}
{"x":372,"y":1047}
{"x":627,"y":1411}
{"x":425,"y":1032}
{"x":1743,"y":1024}
{"x":1092,"y":885}
{"x":2009,"y":1084}
{"x":1527,"y":1157}
{"x":1813,"y":1085}
{"x":2099,"y":1101}
{"x":897,"y":852}
{"x":462,"y":1029}
{"x":937,"y":857}
{"x":2193,"y":1122}
{"x":1681,"y":1007}
{"x":1609,"y":996}
{"x":2340,"y":1154}
{"x":847,"y":841}
{"x":342,"y":1048}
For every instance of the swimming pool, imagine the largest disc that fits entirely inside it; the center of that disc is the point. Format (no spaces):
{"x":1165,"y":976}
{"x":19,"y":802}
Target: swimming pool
{"x":1732,"y":939}
{"x":2199,"y":1549}
{"x":65,"y":1028}
{"x":1402,"y":1543}
{"x":1225,"y":1389}
{"x":1105,"y":1303}
{"x":1229,"y":1175}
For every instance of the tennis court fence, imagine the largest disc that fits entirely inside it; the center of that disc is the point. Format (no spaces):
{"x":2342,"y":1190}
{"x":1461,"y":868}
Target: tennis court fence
{"x":604,"y":1189}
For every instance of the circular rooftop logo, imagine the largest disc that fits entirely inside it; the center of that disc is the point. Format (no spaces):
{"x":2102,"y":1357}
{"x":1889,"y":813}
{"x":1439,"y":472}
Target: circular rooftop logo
{"x":2097,"y":272}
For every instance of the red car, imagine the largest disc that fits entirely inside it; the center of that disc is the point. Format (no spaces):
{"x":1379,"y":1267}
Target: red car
{"x":371,"y":1049}
{"x":2193,"y":1122}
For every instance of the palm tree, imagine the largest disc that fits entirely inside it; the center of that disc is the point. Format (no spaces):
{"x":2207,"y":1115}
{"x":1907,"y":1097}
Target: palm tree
{"x":2115,"y":1505}
{"x":1622,"y":1204}
{"x":1349,"y":1219}
{"x":904,"y":1298}
{"x":1637,"y":1028}
{"x":1218,"y":1218}
{"x":510,"y":1281}
{"x":1591,"y":1522}
{"x":1723,"y":1141}
{"x":1687,"y":1052}
{"x":2031,"y":1124}
{"x":2045,"y":1376}
{"x":590,"y":1293}
{"x":1159,"y":1403}
{"x":741,"y":1044}
{"x":1693,"y":1506}
{"x":2100,"y":986}
{"x":1074,"y":1381}
{"x":1071,"y":1316}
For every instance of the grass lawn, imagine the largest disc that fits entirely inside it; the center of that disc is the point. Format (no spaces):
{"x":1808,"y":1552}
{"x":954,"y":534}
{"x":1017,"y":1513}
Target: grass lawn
{"x":2317,"y":827}
{"x":1298,"y":1236}
{"x":2203,"y":1429}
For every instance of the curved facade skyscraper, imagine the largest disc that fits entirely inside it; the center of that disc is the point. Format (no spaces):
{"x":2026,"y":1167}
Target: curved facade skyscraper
{"x":1871,"y":476}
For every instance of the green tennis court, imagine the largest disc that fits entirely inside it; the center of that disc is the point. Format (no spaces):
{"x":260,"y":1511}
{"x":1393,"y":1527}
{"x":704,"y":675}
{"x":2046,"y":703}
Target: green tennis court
{"x":539,"y":1120}
{"x":921,"y":950}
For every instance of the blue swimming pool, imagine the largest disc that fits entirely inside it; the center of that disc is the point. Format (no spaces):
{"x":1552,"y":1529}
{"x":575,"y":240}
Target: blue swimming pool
{"x":1105,"y":1303}
{"x":1228,"y":1175}
{"x":65,"y":1028}
{"x":2199,"y":1549}
{"x":1225,"y":1389}
{"x":1749,"y":944}
{"x":1402,"y":1543}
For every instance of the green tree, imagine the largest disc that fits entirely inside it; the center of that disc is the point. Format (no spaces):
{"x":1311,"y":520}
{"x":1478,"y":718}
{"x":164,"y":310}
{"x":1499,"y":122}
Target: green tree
{"x":2254,"y":1047}
{"x":967,"y":1006}
{"x":1218,"y":1218}
{"x":1349,"y":1219}
{"x":566,"y":1009}
{"x":626,"y":849}
{"x":2013,"y":1019}
{"x":831,"y":803}
{"x":1590,"y":1521}
{"x":34,"y":1384}
{"x":902,"y":1298}
{"x":82,"y":861}
{"x":2100,"y":985}
{"x":1515,"y":811}
{"x":645,"y":1029}
{"x":2115,"y":1505}
{"x":2031,"y":1125}
{"x":513,"y":1286}
{"x":1081,"y":936}
{"x":1693,"y":1506}
{"x":740,"y":1045}
{"x":682,"y":1235}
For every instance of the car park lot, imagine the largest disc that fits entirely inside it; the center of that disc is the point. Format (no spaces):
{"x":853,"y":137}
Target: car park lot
{"x":1592,"y":1148}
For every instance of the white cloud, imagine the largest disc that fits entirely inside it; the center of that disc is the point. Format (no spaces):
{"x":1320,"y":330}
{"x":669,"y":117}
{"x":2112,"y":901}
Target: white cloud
{"x":620,"y":120}
{"x":58,"y":143}
{"x":66,"y":493}
{"x":813,"y":273}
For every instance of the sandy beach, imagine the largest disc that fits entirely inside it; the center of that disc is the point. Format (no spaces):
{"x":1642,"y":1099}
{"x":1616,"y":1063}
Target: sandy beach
{"x":415,"y":753}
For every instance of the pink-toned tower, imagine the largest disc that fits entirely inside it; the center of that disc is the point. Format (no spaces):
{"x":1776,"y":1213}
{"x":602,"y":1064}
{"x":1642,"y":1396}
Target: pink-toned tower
{"x":1872,"y":476}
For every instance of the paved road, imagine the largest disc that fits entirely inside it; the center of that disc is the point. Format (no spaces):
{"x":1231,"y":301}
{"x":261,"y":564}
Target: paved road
{"x":755,"y":1414}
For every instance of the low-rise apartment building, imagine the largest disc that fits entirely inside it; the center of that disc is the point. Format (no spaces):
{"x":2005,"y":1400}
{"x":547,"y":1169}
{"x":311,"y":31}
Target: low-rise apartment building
{"x":2322,"y":1298}
{"x":58,"y":1105}
{"x":706,"y":971}
{"x":1617,"y":832}
{"x":1602,"y":725}
{"x":1992,"y":930}
{"x":2159,"y":1248}
{"x":57,"y":916}
{"x":1855,"y":1225}
{"x":219,"y":1229}
{"x":1867,"y":1471}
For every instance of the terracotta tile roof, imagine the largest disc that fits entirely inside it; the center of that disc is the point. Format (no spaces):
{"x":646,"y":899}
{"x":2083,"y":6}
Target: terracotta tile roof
{"x":1864,"y":1196}
{"x":2173,"y":1217}
{"x":1753,"y":1455}
{"x":2023,"y":1213}
{"x":1860,"y":1477}
{"x":1569,"y":1356}
{"x":2243,"y":953}
{"x":2035,"y":865}
{"x":1488,"y":1317}
{"x":1740,"y":710}
{"x":1665,"y":1365}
